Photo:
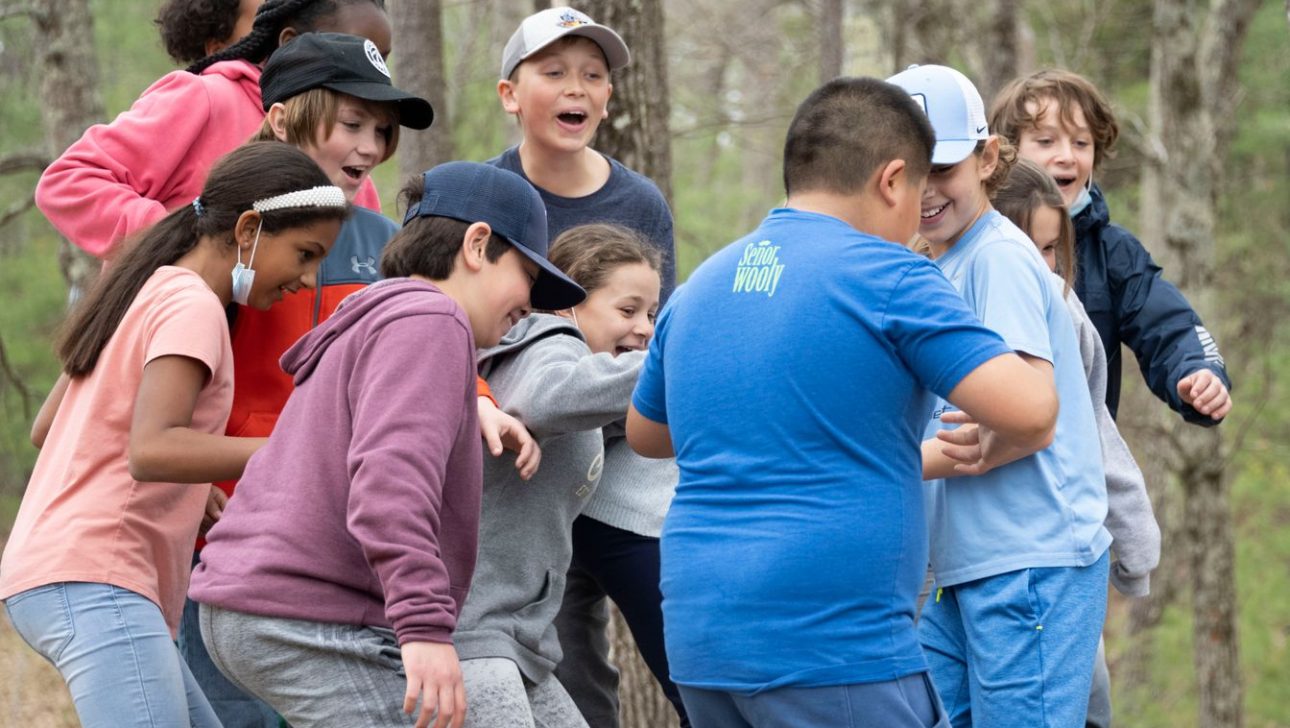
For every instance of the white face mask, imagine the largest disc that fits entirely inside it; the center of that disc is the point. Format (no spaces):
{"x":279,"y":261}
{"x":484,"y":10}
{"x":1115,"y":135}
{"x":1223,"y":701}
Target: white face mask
{"x":1081,"y":202}
{"x":243,"y":276}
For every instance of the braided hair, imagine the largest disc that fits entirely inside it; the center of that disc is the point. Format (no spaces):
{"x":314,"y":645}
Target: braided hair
{"x":274,"y":15}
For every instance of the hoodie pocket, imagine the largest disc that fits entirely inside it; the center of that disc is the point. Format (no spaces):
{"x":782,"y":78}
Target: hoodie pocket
{"x":536,"y":618}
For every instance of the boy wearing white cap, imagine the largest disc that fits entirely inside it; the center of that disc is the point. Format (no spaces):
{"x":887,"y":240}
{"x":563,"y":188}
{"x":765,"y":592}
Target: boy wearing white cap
{"x":555,"y":79}
{"x":1019,"y":552}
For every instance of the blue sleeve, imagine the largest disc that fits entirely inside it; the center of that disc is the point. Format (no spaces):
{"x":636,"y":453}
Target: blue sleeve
{"x":933,"y":331}
{"x":650,"y":397}
{"x":1011,"y":296}
{"x":1158,"y":323}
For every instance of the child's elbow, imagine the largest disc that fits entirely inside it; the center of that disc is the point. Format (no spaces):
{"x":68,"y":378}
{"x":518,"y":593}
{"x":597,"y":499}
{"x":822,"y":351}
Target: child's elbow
{"x":142,"y":464}
{"x":1040,"y":427}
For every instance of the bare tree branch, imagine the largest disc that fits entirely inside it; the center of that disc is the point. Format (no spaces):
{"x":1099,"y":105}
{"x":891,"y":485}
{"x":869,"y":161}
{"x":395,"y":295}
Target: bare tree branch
{"x":17,"y":10}
{"x":23,"y":162}
{"x":16,"y":381}
{"x":17,"y":209}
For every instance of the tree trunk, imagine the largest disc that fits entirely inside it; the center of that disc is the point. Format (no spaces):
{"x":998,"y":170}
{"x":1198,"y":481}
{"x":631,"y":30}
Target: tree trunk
{"x":419,"y":69}
{"x":636,"y":132}
{"x":641,"y":703}
{"x":999,"y":48}
{"x":832,"y":16}
{"x":1192,"y":63}
{"x":69,"y":92}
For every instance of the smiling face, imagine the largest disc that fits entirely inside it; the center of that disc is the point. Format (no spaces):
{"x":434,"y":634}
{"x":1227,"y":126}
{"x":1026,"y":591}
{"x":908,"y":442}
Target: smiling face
{"x":357,"y":142}
{"x":560,"y":94}
{"x":501,"y":297}
{"x":619,"y":315}
{"x":955,"y":197}
{"x":287,"y":260}
{"x":1065,"y":151}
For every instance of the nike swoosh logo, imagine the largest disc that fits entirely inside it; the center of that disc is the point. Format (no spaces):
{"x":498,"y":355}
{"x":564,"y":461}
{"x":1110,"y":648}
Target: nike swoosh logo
{"x":980,"y":129}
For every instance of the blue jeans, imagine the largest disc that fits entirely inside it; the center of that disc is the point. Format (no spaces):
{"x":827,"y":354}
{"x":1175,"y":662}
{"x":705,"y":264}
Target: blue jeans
{"x":236,"y":709}
{"x":908,"y":702}
{"x":1017,"y":649}
{"x":113,"y":649}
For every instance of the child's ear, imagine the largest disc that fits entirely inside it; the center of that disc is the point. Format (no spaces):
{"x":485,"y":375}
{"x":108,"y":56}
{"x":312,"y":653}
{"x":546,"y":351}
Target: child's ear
{"x":506,"y":92}
{"x":605,"y":114}
{"x":474,"y":246}
{"x":277,"y":118}
{"x":287,"y":35}
{"x":244,"y":229}
{"x":989,"y":158}
{"x":893,"y":181}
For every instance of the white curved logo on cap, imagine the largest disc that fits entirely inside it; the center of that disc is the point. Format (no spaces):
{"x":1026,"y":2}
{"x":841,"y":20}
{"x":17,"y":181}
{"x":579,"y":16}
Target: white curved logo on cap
{"x":374,"y":56}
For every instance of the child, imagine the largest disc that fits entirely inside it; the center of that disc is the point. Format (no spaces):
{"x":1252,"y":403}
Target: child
{"x":341,"y":565}
{"x":194,"y":29}
{"x":566,"y":376}
{"x":1019,"y":552}
{"x":791,"y":375}
{"x":347,"y":134}
{"x":118,"y":178}
{"x":1032,"y":200}
{"x":1060,"y":121}
{"x":95,"y":570}
{"x":555,"y":79}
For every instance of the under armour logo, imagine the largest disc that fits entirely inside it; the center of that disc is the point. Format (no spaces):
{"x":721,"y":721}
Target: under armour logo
{"x":359,"y":266}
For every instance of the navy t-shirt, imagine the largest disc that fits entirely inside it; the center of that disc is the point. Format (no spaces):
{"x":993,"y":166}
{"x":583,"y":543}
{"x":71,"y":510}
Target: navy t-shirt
{"x":794,"y":370}
{"x":627,"y":198}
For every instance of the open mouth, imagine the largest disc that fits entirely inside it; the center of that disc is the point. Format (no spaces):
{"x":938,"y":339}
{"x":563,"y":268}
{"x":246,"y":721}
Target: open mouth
{"x":933,"y":212}
{"x":572,"y":118}
{"x":1064,"y":182}
{"x":354,"y":173}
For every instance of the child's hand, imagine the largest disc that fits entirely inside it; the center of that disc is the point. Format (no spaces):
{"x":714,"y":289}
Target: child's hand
{"x":215,"y":502}
{"x":1206,"y":393}
{"x":434,"y":676}
{"x":977,"y":449}
{"x":502,"y":431}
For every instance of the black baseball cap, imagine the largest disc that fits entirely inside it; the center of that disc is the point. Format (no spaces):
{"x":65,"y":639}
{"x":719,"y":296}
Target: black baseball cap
{"x":343,"y":63}
{"x":475,"y":192}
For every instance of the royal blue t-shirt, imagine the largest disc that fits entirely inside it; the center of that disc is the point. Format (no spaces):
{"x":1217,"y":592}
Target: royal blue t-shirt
{"x":1045,"y":510}
{"x":793,"y":369}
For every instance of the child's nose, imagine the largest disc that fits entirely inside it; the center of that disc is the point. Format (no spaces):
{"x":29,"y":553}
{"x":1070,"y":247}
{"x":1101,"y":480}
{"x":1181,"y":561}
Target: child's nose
{"x":310,"y":278}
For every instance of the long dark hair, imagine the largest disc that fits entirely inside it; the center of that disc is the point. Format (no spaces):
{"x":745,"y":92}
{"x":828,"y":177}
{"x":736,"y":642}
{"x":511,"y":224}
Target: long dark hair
{"x":304,"y":15}
{"x":251,"y":172}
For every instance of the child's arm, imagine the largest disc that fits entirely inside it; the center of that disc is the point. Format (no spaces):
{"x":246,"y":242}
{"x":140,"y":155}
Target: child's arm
{"x":1178,"y":357}
{"x":504,"y":432}
{"x":45,"y":417}
{"x":109,"y":183}
{"x":648,"y":438}
{"x":564,"y":388}
{"x":163,"y":445}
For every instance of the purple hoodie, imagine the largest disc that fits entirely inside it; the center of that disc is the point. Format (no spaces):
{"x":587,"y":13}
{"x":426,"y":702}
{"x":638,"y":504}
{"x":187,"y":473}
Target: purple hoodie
{"x":363,"y":508}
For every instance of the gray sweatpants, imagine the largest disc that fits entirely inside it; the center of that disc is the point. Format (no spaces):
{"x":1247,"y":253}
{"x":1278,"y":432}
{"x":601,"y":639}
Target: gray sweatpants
{"x":497,"y":694}
{"x":312,"y":673}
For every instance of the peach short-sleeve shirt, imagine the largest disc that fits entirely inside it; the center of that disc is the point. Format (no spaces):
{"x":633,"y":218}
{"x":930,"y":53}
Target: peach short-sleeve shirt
{"x":83,"y":518}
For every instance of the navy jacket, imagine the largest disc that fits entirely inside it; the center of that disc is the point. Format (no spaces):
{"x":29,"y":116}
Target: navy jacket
{"x":1130,"y":302}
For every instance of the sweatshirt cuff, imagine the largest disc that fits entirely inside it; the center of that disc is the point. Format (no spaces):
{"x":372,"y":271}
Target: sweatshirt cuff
{"x":423,"y":633}
{"x":1127,"y":583}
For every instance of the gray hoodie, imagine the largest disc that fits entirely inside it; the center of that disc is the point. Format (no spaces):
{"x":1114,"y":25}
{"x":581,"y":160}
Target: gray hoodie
{"x":542,"y":373}
{"x":1134,"y":531}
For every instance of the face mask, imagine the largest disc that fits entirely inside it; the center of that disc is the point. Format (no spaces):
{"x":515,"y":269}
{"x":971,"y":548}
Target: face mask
{"x":1081,"y":202}
{"x":243,"y":276}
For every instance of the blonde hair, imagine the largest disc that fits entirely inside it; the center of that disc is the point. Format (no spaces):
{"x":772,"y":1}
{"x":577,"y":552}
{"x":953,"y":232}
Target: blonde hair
{"x":318,"y":107}
{"x":1009,"y":116}
{"x":1027,"y":188}
{"x":589,"y":254}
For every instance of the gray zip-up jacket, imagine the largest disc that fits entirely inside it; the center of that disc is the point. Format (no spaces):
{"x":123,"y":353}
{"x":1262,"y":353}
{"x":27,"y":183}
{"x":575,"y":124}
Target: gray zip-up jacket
{"x":542,"y":373}
{"x":1134,"y":532}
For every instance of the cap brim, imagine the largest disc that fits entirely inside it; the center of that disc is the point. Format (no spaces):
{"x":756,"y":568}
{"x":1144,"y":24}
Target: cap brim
{"x":414,"y":111}
{"x":952,"y":152}
{"x":553,"y":290}
{"x":611,"y":44}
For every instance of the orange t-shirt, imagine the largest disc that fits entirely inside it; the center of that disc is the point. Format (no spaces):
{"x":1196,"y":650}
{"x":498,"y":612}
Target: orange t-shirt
{"x":83,"y":518}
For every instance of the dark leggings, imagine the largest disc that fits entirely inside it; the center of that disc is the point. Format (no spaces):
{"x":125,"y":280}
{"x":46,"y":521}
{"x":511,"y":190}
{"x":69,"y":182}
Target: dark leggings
{"x":623,"y":566}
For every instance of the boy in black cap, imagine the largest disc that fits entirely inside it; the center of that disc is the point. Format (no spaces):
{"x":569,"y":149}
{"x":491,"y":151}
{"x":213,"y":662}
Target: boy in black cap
{"x":332,"y":584}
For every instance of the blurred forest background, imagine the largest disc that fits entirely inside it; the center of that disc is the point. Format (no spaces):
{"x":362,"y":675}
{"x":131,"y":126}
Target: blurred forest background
{"x":1202,"y":90}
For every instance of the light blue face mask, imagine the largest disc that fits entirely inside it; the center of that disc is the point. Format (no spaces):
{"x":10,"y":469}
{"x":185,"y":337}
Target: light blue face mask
{"x":243,"y":276}
{"x":1081,"y":202}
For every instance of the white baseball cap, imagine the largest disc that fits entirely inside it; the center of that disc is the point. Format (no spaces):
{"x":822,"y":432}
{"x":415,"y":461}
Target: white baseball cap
{"x":541,"y":29}
{"x":952,"y":104}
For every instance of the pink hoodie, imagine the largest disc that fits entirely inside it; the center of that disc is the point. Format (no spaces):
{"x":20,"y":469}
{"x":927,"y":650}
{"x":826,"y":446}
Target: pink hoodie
{"x":121,"y":177}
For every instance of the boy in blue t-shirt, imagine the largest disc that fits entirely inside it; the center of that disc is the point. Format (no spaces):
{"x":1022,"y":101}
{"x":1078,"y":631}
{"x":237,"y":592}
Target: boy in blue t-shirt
{"x":795,"y":373}
{"x":1019,"y":552}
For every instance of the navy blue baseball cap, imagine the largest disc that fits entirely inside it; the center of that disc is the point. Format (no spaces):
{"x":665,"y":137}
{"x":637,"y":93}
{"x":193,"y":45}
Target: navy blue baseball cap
{"x":474,"y":192}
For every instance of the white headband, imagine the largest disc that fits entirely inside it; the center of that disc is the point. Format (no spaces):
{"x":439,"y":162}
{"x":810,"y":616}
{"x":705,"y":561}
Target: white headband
{"x":326,"y":196}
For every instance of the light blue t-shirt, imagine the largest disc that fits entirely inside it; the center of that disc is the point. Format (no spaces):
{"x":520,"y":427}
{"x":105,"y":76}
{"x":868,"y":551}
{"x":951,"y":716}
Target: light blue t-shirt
{"x":793,"y":369}
{"x":1046,"y":509}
